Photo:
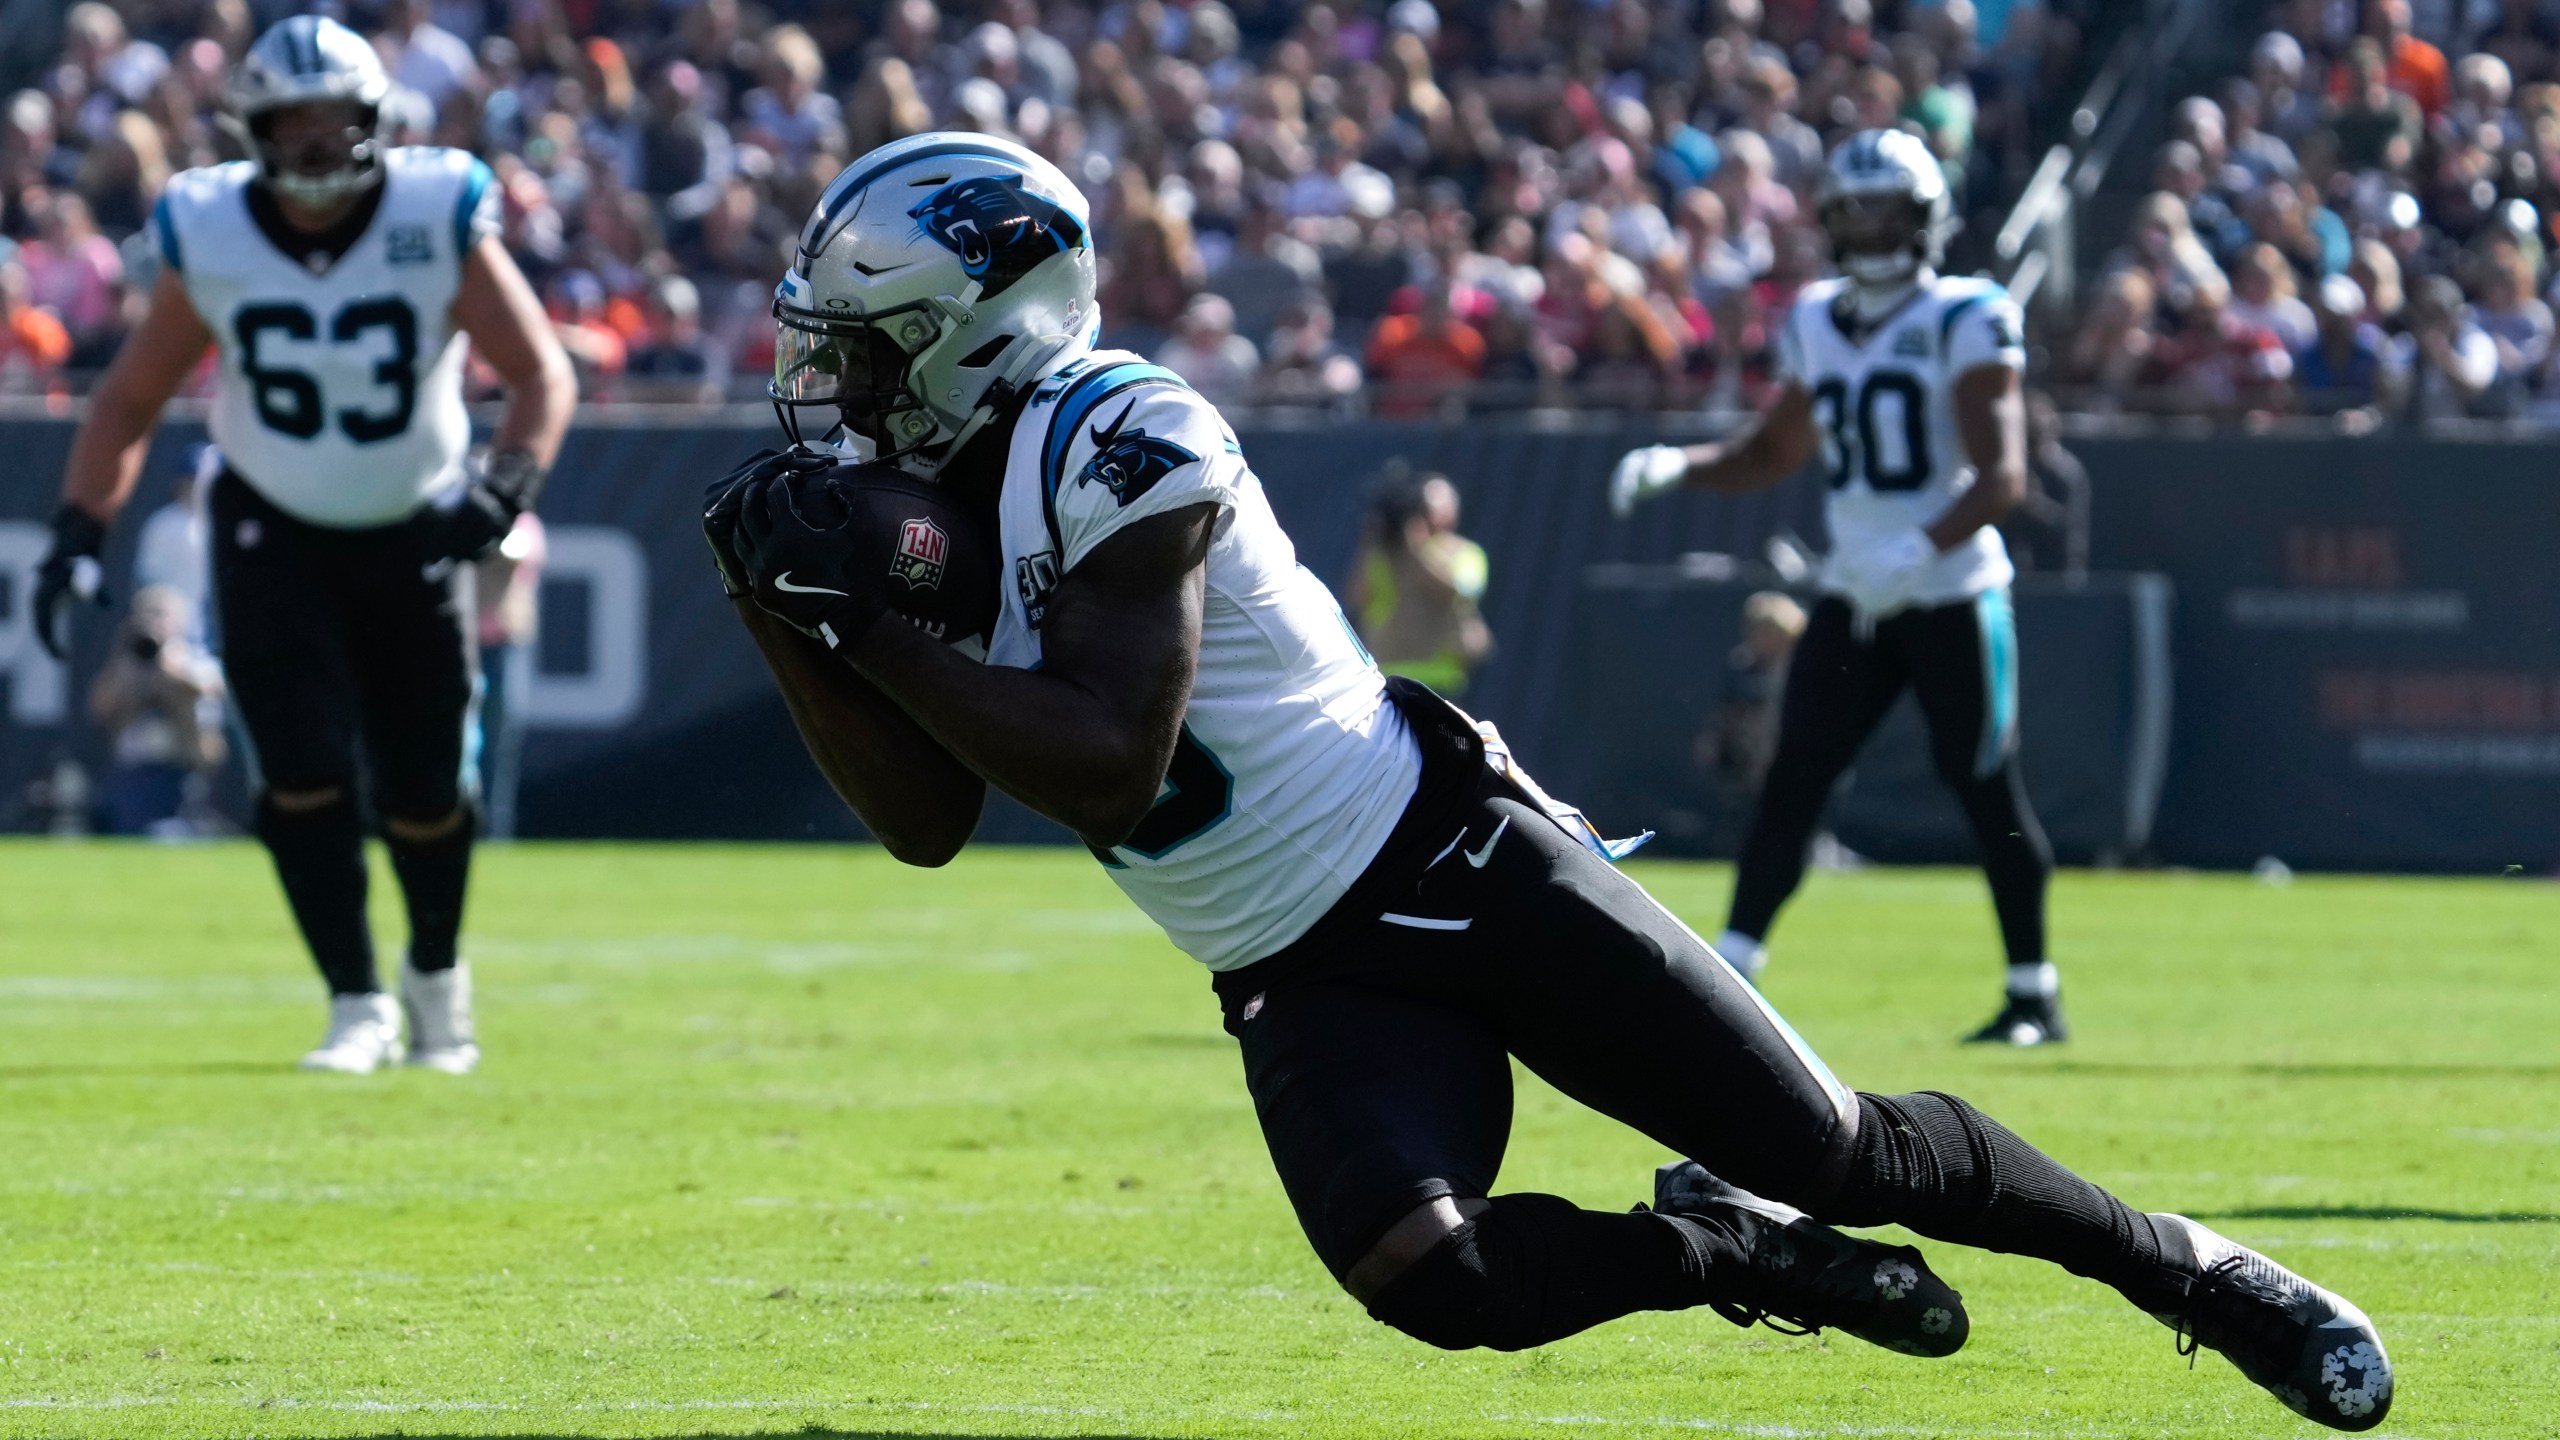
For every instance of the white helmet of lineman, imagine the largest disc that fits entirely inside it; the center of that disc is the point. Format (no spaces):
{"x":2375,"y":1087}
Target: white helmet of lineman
{"x":937,"y":275}
{"x":305,"y":60}
{"x":1883,"y":202}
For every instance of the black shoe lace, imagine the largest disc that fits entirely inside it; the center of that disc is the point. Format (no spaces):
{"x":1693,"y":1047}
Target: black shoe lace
{"x":2234,"y":1304}
{"x":1747,"y":1316}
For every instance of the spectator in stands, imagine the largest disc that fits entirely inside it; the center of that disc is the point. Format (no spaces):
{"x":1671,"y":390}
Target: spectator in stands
{"x":2453,"y":364}
{"x":2261,"y":155}
{"x":1302,"y":365}
{"x":2263,"y":295}
{"x":34,"y":346}
{"x":2416,"y":69}
{"x":1267,"y":273}
{"x":2509,"y":313}
{"x":1209,"y":355}
{"x":2290,"y":109}
{"x":2376,"y":125}
{"x":1420,"y":360}
{"x":74,"y":271}
{"x":2351,"y":370}
{"x":2524,"y":37}
{"x":2166,"y":251}
{"x":673,"y":360}
{"x":2218,"y":363}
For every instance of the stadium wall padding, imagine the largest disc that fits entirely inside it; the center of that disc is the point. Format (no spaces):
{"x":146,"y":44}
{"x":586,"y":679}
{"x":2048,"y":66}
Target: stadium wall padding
{"x":2365,"y":639}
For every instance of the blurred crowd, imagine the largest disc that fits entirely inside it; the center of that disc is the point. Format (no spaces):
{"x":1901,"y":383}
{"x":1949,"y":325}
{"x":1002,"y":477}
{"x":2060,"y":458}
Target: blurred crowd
{"x":2360,"y":227}
{"x":1401,"y":204}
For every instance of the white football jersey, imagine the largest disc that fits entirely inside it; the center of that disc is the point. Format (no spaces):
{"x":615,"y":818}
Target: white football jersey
{"x":340,"y":393}
{"x":1885,"y":407}
{"x":1292,"y":766}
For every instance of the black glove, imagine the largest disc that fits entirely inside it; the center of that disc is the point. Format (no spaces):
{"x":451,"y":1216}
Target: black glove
{"x":70,"y":571}
{"x":720,"y":507}
{"x":800,"y":560}
{"x":505,"y":489}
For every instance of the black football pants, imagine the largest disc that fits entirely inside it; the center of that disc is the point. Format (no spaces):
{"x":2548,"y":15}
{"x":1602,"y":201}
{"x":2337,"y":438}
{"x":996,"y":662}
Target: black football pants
{"x":1960,"y":662}
{"x":1382,"y":1075}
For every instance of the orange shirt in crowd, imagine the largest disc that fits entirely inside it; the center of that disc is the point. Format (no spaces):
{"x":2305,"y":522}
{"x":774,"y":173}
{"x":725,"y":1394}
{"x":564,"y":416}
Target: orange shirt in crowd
{"x":2417,"y":71}
{"x":1413,"y":367}
{"x":33,"y":343}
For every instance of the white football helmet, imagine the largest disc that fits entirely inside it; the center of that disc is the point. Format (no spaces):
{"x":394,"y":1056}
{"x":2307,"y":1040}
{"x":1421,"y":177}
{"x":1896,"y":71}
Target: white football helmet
{"x":307,"y":60}
{"x":1883,"y":201}
{"x":938,"y":274}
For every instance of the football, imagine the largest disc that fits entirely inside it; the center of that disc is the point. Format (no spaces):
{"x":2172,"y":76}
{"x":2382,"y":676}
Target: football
{"x":942,"y":564}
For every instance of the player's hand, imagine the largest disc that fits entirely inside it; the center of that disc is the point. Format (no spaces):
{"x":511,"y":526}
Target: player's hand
{"x":476,"y":523}
{"x":1643,"y":474}
{"x":720,"y":505}
{"x":70,"y":571}
{"x":799,"y":558}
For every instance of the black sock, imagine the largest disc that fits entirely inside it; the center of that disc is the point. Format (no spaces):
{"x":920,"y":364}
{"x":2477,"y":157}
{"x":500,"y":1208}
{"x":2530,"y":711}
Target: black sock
{"x":319,"y":856}
{"x":2017,"y":860}
{"x":1534,"y":1268}
{"x":433,"y":875}
{"x":1934,"y":1164}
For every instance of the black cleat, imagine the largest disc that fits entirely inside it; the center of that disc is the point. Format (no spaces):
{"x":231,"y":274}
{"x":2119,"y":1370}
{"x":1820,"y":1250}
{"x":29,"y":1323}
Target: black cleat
{"x":2310,"y":1348}
{"x":1812,"y":1277}
{"x":2023,"y":1021}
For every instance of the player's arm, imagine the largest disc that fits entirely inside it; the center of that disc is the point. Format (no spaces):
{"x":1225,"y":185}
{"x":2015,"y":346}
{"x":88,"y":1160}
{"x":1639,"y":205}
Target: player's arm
{"x":1086,"y":738}
{"x":921,"y":804}
{"x":1991,"y":419}
{"x":107,"y":450}
{"x":497,"y":309}
{"x":1775,"y":445}
{"x":124,"y":408}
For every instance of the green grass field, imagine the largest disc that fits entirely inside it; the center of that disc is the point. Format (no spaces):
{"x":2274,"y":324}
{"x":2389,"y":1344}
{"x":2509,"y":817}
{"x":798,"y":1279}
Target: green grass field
{"x":791,"y":1140}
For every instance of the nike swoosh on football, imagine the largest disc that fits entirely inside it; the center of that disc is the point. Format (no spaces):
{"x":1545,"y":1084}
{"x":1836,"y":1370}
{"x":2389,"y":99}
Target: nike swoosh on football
{"x":783,"y":583}
{"x":1477,"y":858}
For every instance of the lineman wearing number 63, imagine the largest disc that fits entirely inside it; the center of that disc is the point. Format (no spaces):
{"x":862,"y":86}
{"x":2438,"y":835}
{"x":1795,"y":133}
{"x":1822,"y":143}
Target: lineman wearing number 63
{"x":343,"y":282}
{"x":1906,"y":383}
{"x":1106,"y":621}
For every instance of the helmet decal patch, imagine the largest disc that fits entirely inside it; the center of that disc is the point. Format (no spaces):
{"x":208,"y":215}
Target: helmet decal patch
{"x":1128,"y":463}
{"x":923,"y":548}
{"x":999,"y":229}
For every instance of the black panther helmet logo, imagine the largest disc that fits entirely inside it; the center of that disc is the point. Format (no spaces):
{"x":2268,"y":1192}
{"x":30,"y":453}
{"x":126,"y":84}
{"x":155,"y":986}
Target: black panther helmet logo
{"x":1129,"y":463}
{"x":1000,"y":230}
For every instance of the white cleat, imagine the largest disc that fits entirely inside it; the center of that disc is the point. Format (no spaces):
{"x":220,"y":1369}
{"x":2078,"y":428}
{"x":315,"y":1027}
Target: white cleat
{"x":1747,"y":956}
{"x":438,"y":1003}
{"x":364,"y":1035}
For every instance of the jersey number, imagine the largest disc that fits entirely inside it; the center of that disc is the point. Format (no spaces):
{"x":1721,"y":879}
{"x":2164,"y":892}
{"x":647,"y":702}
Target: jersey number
{"x":1890,"y":443}
{"x":289,"y":400}
{"x":1197,"y":793}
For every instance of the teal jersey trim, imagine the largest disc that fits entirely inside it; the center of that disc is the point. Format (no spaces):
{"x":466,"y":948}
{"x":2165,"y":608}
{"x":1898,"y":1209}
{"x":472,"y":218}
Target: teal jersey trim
{"x":475,"y":184}
{"x":167,"y":230}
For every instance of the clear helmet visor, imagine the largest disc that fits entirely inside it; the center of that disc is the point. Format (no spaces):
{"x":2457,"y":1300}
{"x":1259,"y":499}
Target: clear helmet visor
{"x":860,"y":368}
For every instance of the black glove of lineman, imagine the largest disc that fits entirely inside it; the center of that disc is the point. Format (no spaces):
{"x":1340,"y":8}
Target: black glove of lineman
{"x":720,"y":507}
{"x":70,"y":571}
{"x":506,"y":488}
{"x":799,"y":559}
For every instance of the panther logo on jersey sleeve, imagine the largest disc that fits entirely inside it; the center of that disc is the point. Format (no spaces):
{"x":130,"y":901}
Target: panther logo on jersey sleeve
{"x":1000,"y":230}
{"x":1128,"y":463}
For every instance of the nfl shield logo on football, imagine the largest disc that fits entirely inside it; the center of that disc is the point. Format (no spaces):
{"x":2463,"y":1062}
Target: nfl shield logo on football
{"x":922,"y":548}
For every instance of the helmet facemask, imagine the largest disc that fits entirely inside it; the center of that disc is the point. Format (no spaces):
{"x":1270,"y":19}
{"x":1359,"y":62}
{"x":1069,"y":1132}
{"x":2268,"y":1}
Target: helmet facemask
{"x":1881,"y":240}
{"x":335,"y":154}
{"x":859,"y":367}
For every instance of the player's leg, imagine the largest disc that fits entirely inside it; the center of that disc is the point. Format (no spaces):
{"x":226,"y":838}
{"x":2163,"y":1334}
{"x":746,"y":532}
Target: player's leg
{"x":1387,"y":1111}
{"x":1963,"y":662}
{"x":1607,"y":996}
{"x":282,"y":663}
{"x":1839,"y":685}
{"x":417,"y":674}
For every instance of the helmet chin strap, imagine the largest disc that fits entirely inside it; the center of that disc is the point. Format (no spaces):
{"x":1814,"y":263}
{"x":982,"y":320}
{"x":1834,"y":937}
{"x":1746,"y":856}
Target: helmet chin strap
{"x":1873,"y":299}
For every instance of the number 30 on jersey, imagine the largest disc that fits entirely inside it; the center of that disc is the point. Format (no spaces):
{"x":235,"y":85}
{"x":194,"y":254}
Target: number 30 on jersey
{"x":1879,"y":432}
